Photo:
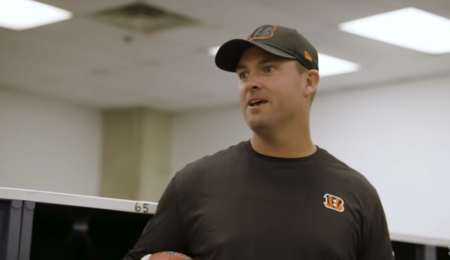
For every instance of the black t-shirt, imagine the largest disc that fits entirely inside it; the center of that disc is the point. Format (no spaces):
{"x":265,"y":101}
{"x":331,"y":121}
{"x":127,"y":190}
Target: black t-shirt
{"x":240,"y":205}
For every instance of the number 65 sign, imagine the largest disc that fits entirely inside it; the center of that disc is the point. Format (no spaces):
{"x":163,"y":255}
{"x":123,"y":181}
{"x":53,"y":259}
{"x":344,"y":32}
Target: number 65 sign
{"x":141,"y":207}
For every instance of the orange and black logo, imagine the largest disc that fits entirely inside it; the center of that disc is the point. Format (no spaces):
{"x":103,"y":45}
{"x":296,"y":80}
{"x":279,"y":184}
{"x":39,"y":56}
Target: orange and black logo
{"x":263,"y":32}
{"x":333,"y":202}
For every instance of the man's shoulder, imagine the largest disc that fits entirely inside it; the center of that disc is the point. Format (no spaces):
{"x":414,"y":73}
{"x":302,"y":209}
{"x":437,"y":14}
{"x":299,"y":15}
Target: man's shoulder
{"x":354,"y":184}
{"x":343,"y":171}
{"x":210,"y":163}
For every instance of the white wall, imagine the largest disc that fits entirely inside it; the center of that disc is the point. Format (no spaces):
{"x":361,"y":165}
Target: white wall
{"x":200,"y":133}
{"x":398,"y":136}
{"x":47,"y":145}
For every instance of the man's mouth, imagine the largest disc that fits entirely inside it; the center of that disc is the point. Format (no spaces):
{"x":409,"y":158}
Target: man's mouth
{"x":257,"y":102}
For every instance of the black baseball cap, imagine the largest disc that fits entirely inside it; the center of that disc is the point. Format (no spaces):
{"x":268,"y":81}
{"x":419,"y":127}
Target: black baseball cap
{"x":278,"y":40}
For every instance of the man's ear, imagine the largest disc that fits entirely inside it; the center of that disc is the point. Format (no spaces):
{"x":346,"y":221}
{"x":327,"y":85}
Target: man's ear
{"x":312,"y":82}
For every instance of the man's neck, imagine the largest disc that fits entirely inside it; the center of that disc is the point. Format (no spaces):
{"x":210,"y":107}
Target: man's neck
{"x":284,"y":145}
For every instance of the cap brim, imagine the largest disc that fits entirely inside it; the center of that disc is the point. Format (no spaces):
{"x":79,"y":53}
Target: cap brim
{"x":229,"y":54}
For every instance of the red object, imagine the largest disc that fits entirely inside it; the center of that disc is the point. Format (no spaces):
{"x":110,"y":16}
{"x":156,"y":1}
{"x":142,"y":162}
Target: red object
{"x":169,"y":256}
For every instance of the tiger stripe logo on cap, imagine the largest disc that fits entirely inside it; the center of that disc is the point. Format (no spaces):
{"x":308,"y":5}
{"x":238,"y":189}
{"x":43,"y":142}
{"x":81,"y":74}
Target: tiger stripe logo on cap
{"x":263,"y":32}
{"x":334,"y":202}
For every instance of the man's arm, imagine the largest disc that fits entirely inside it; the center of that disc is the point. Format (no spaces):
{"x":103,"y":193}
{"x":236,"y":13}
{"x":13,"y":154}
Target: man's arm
{"x":375,"y":239}
{"x":164,"y":232}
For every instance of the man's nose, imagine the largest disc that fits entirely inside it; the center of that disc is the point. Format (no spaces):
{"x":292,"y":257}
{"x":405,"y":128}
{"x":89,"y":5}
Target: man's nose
{"x":252,"y":84}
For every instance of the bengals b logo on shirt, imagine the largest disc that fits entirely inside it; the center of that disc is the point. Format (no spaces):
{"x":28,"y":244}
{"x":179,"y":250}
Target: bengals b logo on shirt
{"x":334,"y":202}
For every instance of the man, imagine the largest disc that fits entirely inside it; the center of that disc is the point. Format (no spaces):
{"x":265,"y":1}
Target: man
{"x":277,"y":195}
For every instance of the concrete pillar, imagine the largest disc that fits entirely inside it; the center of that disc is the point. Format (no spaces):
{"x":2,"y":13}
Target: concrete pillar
{"x":136,"y":154}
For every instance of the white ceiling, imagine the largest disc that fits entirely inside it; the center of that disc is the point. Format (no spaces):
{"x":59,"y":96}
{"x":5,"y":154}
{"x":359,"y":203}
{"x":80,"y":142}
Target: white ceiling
{"x":86,"y":61}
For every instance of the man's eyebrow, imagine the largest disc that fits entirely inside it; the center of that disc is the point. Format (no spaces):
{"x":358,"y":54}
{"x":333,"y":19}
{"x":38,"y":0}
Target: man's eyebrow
{"x":263,"y":61}
{"x":240,"y":66}
{"x":267,"y":60}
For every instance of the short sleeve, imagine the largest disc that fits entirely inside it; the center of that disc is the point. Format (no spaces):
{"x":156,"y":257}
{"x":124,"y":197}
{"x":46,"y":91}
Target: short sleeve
{"x":164,"y":232}
{"x":375,"y":239}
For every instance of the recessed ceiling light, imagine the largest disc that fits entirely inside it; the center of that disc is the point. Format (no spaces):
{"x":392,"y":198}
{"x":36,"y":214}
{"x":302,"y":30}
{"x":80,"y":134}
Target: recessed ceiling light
{"x":328,"y":65}
{"x":24,"y":14}
{"x":408,"y":28}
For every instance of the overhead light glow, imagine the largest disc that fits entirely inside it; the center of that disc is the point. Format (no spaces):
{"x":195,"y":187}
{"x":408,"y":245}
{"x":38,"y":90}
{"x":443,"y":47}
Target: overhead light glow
{"x":409,"y":28}
{"x":25,"y":14}
{"x":330,"y":66}
{"x":213,"y":51}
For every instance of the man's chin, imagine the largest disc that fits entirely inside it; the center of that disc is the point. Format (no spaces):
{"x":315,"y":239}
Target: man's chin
{"x":258,"y":125}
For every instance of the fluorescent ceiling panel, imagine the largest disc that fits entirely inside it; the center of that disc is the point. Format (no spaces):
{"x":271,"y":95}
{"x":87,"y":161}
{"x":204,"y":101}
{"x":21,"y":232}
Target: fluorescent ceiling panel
{"x":25,"y":14}
{"x":328,"y":65}
{"x":409,"y":28}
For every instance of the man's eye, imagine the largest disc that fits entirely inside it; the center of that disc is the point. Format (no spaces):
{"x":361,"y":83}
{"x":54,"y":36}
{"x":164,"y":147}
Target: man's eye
{"x":268,"y":69}
{"x":243,"y":75}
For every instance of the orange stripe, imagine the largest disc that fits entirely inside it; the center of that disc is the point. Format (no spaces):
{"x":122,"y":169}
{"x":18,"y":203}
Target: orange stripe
{"x":330,"y":201}
{"x":337,"y":203}
{"x":307,"y":56}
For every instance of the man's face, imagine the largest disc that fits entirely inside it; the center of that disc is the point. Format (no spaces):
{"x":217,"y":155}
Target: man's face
{"x":277,"y":82}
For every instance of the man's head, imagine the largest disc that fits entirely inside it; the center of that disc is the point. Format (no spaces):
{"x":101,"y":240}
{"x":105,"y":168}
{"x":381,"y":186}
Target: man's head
{"x":278,"y":66}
